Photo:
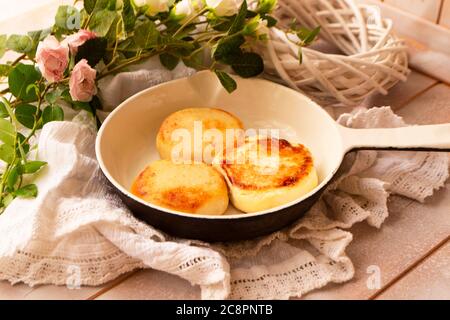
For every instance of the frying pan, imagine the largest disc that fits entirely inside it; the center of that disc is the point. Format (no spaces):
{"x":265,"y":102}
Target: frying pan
{"x":126,"y":144}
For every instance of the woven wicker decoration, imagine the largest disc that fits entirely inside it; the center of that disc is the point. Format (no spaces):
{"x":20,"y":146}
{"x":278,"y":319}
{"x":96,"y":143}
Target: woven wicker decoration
{"x":372,"y":59}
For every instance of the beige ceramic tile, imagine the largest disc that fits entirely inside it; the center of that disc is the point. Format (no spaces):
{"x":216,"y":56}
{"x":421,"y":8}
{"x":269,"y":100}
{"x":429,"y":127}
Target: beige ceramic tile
{"x":50,"y":292}
{"x":152,"y":284}
{"x":9,"y":292}
{"x":427,"y":9}
{"x":410,"y":232}
{"x":445,"y":14}
{"x":428,"y":281}
{"x":412,"y":229}
{"x":433,"y":106}
{"x":22,"y":291}
{"x":402,"y":93}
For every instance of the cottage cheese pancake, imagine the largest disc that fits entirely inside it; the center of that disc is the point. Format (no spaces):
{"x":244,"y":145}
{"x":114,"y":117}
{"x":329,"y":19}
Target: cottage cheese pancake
{"x":200,"y":125}
{"x":260,"y":180}
{"x":191,"y":188}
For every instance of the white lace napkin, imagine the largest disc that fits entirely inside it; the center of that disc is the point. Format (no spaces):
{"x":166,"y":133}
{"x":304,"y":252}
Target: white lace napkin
{"x":78,"y":232}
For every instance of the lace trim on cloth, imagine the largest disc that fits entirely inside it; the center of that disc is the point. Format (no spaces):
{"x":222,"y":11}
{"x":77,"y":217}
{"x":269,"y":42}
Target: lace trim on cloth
{"x":78,"y":232}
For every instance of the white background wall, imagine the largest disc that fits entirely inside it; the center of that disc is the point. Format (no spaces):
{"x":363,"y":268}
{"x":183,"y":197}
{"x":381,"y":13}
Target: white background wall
{"x":437,"y":11}
{"x":12,"y":8}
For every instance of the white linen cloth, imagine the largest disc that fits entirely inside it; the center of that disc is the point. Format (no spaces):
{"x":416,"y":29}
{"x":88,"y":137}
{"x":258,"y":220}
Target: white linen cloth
{"x":77,"y":231}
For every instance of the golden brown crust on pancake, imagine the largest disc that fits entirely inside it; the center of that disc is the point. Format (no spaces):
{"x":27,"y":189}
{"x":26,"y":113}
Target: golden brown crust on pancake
{"x":187,"y":188}
{"x":295,"y":163}
{"x":186,"y":199}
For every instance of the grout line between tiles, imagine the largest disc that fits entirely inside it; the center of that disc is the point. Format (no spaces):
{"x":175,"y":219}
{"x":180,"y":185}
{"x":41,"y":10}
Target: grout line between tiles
{"x":399,"y":276}
{"x":410,"y":268}
{"x":412,"y":68}
{"x":112,"y":285}
{"x":418,"y":94}
{"x":441,"y":7}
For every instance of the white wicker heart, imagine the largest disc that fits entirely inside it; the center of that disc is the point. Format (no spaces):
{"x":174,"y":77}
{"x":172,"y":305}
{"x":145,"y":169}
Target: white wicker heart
{"x":372,"y":59}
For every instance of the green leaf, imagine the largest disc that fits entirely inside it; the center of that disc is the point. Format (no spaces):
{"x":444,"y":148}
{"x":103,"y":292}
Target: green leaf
{"x":79,"y":105}
{"x":20,"y":139}
{"x":3,"y":111}
{"x":36,"y":37}
{"x":19,"y":43}
{"x":127,"y":44}
{"x":128,"y":16}
{"x":239,"y":21}
{"x":96,"y":5}
{"x":251,"y":14}
{"x":227,"y":82}
{"x":222,"y":24}
{"x":115,"y":4}
{"x":168,"y":60}
{"x":7,"y":132}
{"x":65,"y":95}
{"x":5,"y":69}
{"x":177,"y":44}
{"x":67,"y":18}
{"x":116,"y":31}
{"x":92,"y":50}
{"x":32,"y":87}
{"x":248,"y":64}
{"x":195,"y":61}
{"x":52,"y":113}
{"x":102,"y":4}
{"x":102,"y":21}
{"x":53,"y":95}
{"x":13,"y":176}
{"x":251,"y":26}
{"x":26,"y":115}
{"x":20,"y":78}
{"x":7,"y":153}
{"x":146,"y":35}
{"x":7,"y":200}
{"x":228,"y":47}
{"x":271,"y":21}
{"x":3,"y":39}
{"x":28,"y":191}
{"x":306,"y":35}
{"x":33,"y":166}
{"x":266,"y":6}
{"x":89,"y":5}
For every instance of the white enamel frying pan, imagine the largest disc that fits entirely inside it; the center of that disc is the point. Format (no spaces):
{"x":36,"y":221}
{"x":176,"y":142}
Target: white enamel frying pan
{"x":126,"y":144}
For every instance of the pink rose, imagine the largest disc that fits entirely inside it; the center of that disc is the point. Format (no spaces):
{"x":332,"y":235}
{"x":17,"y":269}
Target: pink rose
{"x":52,"y":59}
{"x":78,"y":39}
{"x":82,"y":82}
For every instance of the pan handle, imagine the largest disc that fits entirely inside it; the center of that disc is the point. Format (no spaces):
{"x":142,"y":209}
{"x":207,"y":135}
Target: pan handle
{"x":427,"y":137}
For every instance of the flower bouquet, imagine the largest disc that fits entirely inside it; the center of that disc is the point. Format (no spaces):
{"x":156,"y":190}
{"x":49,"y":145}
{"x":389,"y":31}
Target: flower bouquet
{"x":96,"y":38}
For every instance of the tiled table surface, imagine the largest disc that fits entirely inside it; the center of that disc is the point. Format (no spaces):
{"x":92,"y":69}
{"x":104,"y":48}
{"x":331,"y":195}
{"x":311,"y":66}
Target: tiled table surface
{"x":411,"y":250}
